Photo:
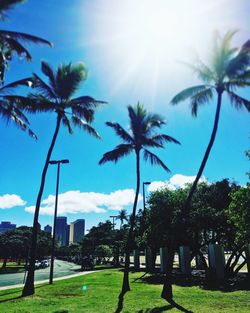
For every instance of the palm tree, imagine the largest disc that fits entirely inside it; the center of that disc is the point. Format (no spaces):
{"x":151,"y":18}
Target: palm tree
{"x":11,"y":41}
{"x":122,"y":216}
{"x":141,"y":135}
{"x":10,"y":112}
{"x":228,"y":71}
{"x":56,"y":96}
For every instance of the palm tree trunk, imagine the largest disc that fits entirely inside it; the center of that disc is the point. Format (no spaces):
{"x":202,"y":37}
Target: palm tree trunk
{"x":187,"y":204}
{"x":29,"y":284}
{"x":167,"y":292}
{"x":125,"y":283}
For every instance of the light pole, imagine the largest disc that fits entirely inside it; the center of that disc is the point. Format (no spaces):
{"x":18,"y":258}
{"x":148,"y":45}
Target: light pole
{"x":55,"y":215}
{"x":113,"y":217}
{"x":143,"y":190}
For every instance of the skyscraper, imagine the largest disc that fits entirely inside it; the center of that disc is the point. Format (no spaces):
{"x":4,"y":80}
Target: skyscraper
{"x":4,"y":226}
{"x":61,"y":230}
{"x":77,"y":230}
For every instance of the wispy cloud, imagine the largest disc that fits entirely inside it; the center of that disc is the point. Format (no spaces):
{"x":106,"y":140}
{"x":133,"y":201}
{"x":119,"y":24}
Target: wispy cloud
{"x":8,"y":201}
{"x":175,"y":182}
{"x":75,"y":201}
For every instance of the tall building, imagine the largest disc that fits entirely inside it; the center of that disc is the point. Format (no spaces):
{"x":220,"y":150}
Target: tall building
{"x":61,"y":230}
{"x":4,"y":226}
{"x":48,"y":229}
{"x":77,"y":230}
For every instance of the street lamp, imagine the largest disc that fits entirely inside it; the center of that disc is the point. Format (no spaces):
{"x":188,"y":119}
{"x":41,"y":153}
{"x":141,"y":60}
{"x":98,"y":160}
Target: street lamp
{"x":55,"y":215}
{"x":143,"y":190}
{"x":113,"y":217}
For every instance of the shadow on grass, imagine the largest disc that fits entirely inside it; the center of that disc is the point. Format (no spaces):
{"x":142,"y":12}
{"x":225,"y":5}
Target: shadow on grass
{"x":239,"y":282}
{"x":120,"y":302}
{"x":164,"y":308}
{"x":17,"y":291}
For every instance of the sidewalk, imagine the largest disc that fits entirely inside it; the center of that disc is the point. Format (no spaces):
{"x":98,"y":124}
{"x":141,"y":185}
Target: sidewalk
{"x":40,"y":282}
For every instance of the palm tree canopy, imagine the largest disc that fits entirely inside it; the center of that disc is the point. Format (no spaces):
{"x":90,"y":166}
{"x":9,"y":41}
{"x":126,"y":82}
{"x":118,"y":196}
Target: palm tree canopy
{"x":228,"y":70}
{"x":140,"y":136}
{"x":56,"y":95}
{"x":122,"y":216}
{"x":10,"y":112}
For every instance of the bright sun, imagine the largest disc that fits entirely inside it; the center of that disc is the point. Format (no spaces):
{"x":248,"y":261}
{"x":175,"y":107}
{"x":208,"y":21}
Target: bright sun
{"x":139,"y":42}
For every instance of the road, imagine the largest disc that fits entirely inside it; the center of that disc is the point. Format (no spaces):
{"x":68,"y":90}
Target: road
{"x":61,"y":268}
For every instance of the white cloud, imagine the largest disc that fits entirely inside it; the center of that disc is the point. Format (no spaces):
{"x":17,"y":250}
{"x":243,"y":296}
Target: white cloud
{"x":8,"y":201}
{"x":75,"y":201}
{"x":175,"y":182}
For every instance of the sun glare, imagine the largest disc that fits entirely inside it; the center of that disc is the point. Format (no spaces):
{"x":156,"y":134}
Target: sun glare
{"x":139,"y":42}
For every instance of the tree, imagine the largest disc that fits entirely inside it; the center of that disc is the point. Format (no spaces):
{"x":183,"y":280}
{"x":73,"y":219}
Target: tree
{"x":56,"y":96}
{"x":141,"y":135}
{"x":229,"y":70}
{"x":122,"y":216}
{"x":11,"y":41}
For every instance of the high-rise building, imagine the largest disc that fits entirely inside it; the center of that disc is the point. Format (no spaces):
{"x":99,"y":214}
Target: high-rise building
{"x":67,"y":235}
{"x":48,"y":229}
{"x":61,"y":230}
{"x":77,"y":230}
{"x":4,"y":226}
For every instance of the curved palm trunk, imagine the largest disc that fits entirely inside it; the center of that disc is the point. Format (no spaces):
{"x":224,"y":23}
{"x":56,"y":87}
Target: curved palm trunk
{"x":167,"y":291}
{"x":125,"y":283}
{"x":29,"y":284}
{"x":187,"y":204}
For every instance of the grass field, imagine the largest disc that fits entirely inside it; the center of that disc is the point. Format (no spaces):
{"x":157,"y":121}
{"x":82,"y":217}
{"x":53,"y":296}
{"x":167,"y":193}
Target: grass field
{"x":12,"y":267}
{"x":98,"y":292}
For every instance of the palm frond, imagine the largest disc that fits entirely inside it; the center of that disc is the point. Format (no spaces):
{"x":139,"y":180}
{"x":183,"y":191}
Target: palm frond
{"x":203,"y":72}
{"x":6,"y":5}
{"x":48,"y":71}
{"x":84,"y":126}
{"x":21,"y":82}
{"x":199,"y":99}
{"x":33,"y":103}
{"x":66,"y":123}
{"x":162,"y":138}
{"x":23,"y":37}
{"x":14,"y":45}
{"x":43,"y":88}
{"x":87,"y":102}
{"x":117,"y":153}
{"x":187,"y":93}
{"x":238,"y":102}
{"x":120,"y":131}
{"x":153,"y":159}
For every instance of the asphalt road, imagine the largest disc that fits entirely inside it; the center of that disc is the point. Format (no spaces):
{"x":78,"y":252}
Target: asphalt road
{"x":61,"y":268}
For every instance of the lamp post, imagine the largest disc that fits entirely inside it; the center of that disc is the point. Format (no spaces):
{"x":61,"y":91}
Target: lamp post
{"x":143,"y":190}
{"x":113,"y":217}
{"x":55,"y":215}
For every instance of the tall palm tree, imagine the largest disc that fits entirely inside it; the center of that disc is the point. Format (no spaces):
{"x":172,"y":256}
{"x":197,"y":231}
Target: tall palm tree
{"x":12,"y":42}
{"x":122,"y":216}
{"x":56,"y":96}
{"x":141,"y":135}
{"x":10,"y":112}
{"x":228,"y":71}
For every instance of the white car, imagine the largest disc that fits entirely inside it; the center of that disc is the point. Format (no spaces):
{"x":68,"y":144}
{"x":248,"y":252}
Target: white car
{"x":37,"y":264}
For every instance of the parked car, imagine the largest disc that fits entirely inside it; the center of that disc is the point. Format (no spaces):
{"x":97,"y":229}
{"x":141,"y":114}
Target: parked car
{"x":44,"y":263}
{"x":37,"y":264}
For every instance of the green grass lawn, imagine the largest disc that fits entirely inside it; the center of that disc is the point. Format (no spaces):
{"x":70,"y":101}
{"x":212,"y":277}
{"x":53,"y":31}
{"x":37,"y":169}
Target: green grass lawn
{"x":101,"y":295}
{"x":12,"y":267}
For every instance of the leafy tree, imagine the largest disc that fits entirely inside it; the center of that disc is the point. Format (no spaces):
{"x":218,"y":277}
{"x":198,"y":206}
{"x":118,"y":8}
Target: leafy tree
{"x":11,"y":42}
{"x":227,"y":72}
{"x":56,"y":95}
{"x":103,"y":251}
{"x":141,"y":135}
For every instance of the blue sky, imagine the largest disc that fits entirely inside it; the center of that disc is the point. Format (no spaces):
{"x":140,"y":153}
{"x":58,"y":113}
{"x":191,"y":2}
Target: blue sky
{"x":132,"y":50}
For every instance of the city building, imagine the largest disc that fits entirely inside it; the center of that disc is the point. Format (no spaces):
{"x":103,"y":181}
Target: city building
{"x":61,"y":230}
{"x":48,"y":229}
{"x":4,"y":226}
{"x":77,"y":230}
